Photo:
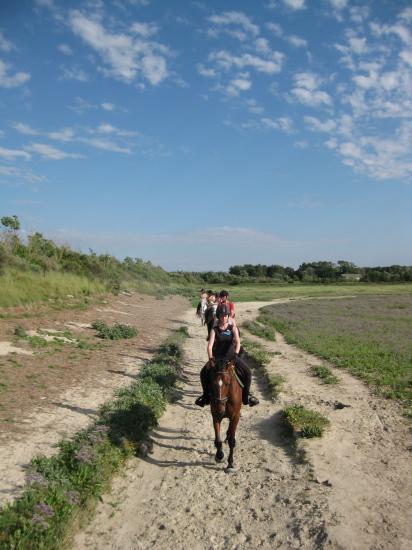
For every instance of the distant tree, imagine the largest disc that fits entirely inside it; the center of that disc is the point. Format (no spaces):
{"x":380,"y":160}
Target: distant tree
{"x":11,"y":223}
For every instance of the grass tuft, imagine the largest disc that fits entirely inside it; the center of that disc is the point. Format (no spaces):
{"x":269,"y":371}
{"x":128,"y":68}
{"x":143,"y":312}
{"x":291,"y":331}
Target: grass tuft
{"x":325,"y":374}
{"x":305,"y":422}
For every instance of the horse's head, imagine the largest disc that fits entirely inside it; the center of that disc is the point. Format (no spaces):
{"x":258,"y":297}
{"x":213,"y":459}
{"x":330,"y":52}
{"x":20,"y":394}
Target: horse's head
{"x":220,"y":386}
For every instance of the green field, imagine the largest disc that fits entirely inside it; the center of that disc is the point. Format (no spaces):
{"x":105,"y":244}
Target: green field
{"x":371,"y":336}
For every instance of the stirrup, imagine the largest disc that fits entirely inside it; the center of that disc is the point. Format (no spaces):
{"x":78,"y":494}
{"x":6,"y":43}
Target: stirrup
{"x":253,"y":401}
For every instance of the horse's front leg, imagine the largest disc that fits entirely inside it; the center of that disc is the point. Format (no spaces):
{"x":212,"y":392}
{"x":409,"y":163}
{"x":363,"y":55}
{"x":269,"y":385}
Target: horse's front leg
{"x":231,"y":439}
{"x":218,"y":442}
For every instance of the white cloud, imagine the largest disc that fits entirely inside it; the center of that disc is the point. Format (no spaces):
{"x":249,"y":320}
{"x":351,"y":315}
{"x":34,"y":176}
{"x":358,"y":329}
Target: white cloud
{"x":295,"y":4}
{"x":106,"y":106}
{"x":74,"y":73}
{"x":24,"y":129}
{"x":318,"y":126}
{"x":107,"y":129}
{"x":285,"y":124}
{"x":5,"y":45}
{"x":236,"y":18}
{"x":227,"y":61}
{"x":13,"y":154}
{"x":338,"y":4}
{"x":125,"y":57}
{"x":240,"y":84}
{"x":48,"y":152}
{"x":12,"y":173}
{"x":254,"y":106}
{"x":106,"y":145}
{"x":11,"y":81}
{"x":144,"y":29}
{"x":207,"y":72}
{"x":406,"y":56}
{"x":275,"y":28}
{"x":65,"y":49}
{"x":406,"y":14}
{"x":297,"y":41}
{"x":359,"y":14}
{"x":67,"y":134}
{"x":306,"y":90}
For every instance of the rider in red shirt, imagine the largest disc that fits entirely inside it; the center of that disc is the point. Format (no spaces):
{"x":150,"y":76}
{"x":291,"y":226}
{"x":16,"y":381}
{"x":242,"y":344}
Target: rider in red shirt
{"x":224,"y":299}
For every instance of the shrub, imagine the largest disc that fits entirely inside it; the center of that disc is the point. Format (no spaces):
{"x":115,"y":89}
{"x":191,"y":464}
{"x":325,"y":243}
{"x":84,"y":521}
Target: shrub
{"x":305,"y":422}
{"x":116,"y":332}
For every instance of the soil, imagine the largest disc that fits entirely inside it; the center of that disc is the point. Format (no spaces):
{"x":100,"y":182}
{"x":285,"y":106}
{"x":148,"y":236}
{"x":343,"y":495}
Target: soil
{"x":52,"y":392}
{"x":350,"y":489}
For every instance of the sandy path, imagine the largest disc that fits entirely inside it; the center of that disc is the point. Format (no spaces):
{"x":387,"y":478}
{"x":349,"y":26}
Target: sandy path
{"x":350,"y":489}
{"x":178,"y":497}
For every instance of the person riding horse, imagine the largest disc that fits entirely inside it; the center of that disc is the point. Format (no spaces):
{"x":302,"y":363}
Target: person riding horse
{"x":224,"y":346}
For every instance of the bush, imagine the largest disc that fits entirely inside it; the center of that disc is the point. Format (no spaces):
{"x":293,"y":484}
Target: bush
{"x":305,"y":422}
{"x":116,"y":332}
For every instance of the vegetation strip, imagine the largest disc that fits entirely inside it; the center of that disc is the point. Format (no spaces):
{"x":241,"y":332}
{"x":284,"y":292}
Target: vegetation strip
{"x":261,"y":359}
{"x":61,"y":488}
{"x":305,"y":422}
{"x":325,"y":374}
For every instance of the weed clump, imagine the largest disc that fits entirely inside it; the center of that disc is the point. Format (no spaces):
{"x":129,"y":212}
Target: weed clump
{"x":325,"y":374}
{"x":20,"y":332}
{"x":305,"y":422}
{"x":116,"y":332}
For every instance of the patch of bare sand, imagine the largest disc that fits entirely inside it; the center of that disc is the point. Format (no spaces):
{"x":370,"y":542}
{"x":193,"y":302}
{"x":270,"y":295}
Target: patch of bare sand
{"x":7,"y":348}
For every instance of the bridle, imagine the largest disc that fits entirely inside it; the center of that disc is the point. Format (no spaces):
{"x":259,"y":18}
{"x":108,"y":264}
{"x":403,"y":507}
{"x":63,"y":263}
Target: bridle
{"x":222,"y":368}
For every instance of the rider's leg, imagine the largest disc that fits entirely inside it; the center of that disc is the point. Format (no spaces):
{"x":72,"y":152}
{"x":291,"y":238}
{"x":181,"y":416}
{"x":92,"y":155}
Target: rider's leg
{"x":245,"y":375}
{"x":204,"y":379}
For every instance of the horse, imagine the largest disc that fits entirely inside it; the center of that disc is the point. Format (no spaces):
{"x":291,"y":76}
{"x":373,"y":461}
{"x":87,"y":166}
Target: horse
{"x":201,"y":309}
{"x":225,"y":402}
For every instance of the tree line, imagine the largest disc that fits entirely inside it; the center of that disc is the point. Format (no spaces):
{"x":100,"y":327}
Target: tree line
{"x":37,"y":253}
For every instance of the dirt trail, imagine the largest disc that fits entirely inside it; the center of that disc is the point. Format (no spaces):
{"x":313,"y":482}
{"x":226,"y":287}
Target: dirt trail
{"x":348,"y":490}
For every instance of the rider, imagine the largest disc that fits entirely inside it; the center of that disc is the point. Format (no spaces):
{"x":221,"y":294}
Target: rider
{"x":224,"y":299}
{"x":224,"y":345}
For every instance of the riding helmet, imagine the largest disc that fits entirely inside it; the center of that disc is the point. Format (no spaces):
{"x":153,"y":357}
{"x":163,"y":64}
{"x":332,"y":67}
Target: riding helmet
{"x":222,"y":309}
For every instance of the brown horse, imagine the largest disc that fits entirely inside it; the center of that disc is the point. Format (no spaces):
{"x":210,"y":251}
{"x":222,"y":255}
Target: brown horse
{"x":226,"y":402}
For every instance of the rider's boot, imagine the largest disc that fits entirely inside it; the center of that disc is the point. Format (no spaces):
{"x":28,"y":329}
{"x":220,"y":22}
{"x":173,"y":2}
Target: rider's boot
{"x":247,"y":397}
{"x":204,"y":399}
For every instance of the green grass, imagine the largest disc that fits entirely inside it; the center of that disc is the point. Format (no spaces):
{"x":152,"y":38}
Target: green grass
{"x":325,"y":374}
{"x":263,"y":331}
{"x":261,"y":359}
{"x":116,"y":332}
{"x":266,"y":292}
{"x":64,"y":487}
{"x":371,"y":336}
{"x":305,"y":422}
{"x":24,"y":287}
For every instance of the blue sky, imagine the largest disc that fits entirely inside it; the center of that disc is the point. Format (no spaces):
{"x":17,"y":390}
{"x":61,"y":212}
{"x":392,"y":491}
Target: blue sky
{"x":200,"y":135}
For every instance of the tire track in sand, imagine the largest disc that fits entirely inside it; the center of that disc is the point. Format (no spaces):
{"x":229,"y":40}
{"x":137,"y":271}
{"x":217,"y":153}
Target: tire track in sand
{"x":178,"y":497}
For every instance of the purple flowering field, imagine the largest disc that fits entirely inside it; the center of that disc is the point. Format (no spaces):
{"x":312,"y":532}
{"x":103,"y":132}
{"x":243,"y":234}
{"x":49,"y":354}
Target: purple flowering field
{"x":369,"y":335}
